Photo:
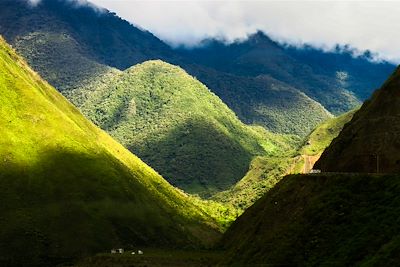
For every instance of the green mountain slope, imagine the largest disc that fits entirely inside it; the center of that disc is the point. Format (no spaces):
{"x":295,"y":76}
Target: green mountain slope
{"x":322,"y":136}
{"x":369,"y":143}
{"x":67,"y":189}
{"x":265,"y":172}
{"x":264,"y":101}
{"x":317,"y":141}
{"x":320,"y":220}
{"x":174,"y":123}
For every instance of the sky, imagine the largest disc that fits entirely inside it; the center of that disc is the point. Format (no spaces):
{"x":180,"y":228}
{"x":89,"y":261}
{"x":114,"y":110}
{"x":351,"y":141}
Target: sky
{"x":364,"y":25}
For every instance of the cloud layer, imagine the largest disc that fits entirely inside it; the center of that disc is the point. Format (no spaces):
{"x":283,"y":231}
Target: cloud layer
{"x":362,"y":24}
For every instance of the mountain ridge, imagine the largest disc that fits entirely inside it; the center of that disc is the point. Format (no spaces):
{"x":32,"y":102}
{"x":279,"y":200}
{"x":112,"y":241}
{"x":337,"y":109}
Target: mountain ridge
{"x":177,"y":125}
{"x":74,"y":53}
{"x":69,"y":190}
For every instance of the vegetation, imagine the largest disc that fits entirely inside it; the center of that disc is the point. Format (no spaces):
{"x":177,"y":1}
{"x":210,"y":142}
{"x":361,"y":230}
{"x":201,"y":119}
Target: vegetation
{"x":280,"y":88}
{"x":176,"y":125}
{"x":265,"y":172}
{"x":338,"y":80}
{"x":265,"y":101}
{"x":320,"y":220}
{"x":68,"y":189}
{"x":156,"y":258}
{"x":330,"y":219}
{"x":369,"y":142}
{"x":323,"y":135}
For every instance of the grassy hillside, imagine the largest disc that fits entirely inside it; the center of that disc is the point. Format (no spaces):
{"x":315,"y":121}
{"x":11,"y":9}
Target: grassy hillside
{"x":317,"y":141}
{"x":68,"y":189}
{"x":265,"y":172}
{"x":369,"y":142}
{"x":322,"y":136}
{"x":320,"y":220}
{"x":174,"y":123}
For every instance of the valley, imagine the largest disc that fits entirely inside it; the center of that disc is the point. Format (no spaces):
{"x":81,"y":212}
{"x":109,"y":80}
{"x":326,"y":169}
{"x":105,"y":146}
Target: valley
{"x":252,"y":152}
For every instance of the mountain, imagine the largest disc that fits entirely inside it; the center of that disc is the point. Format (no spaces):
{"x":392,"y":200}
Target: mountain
{"x":266,"y":171}
{"x":68,"y":189}
{"x":72,"y":44}
{"x":369,"y":143}
{"x":263,"y":174}
{"x":337,"y":79}
{"x":320,"y":220}
{"x":69,"y":42}
{"x":359,"y":73}
{"x":264,"y":101}
{"x":330,"y":219}
{"x":176,"y":125}
{"x":319,"y":139}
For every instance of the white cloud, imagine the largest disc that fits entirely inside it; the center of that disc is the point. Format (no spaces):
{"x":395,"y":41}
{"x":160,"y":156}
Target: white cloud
{"x":362,"y":24}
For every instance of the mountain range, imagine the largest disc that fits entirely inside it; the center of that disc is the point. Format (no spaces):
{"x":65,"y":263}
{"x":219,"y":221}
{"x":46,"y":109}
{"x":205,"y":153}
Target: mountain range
{"x":68,"y":189}
{"x":83,"y":50}
{"x":228,"y":125}
{"x":284,"y":89}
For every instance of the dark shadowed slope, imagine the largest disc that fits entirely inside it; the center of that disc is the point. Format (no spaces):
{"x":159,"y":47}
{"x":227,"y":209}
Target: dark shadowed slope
{"x":369,"y":143}
{"x":69,"y":43}
{"x":318,"y":220}
{"x":67,"y":189}
{"x":175,"y":124}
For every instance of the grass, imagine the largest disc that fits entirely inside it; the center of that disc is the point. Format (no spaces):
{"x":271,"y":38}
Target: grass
{"x":69,"y":190}
{"x":265,"y":172}
{"x":155,"y":257}
{"x":324,"y":133}
{"x":265,"y":101}
{"x":177,"y":126}
{"x":320,"y":220}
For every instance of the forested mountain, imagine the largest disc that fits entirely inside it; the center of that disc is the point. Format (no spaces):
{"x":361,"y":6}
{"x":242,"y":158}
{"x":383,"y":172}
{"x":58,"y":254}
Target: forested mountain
{"x":330,"y":219}
{"x":67,"y":189}
{"x":336,"y":79}
{"x":286,"y":90}
{"x":176,"y":125}
{"x":264,"y":101}
{"x":69,"y":42}
{"x":228,"y":125}
{"x":320,"y":220}
{"x":369,"y":143}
